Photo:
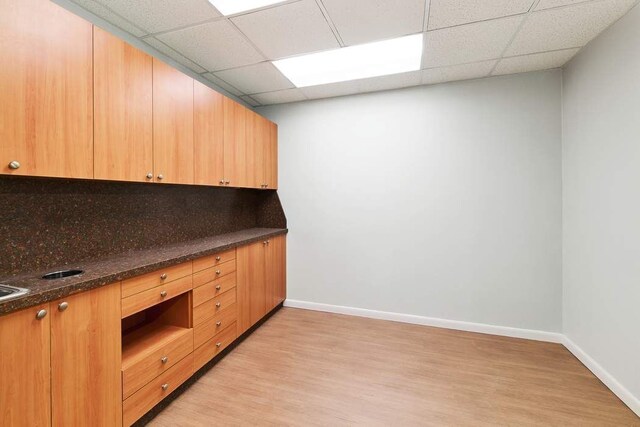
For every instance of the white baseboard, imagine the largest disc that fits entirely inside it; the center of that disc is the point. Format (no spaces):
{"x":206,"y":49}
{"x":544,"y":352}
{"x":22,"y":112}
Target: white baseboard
{"x":616,"y":387}
{"x":482,"y":328}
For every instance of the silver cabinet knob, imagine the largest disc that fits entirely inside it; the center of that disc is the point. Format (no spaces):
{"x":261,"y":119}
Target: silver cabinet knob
{"x":218,"y":258}
{"x":222,"y":182}
{"x":266,"y":186}
{"x":63,"y":306}
{"x":165,"y":386}
{"x":268,"y":241}
{"x":165,"y":359}
{"x":227,"y":182}
{"x":163,"y":294}
{"x":149,"y":175}
{"x":218,"y":344}
{"x":218,"y":323}
{"x":41,"y":314}
{"x":218,"y":305}
{"x":264,"y":243}
{"x":160,"y":177}
{"x":14,"y":164}
{"x":218,"y":272}
{"x":218,"y":287}
{"x":163,"y":276}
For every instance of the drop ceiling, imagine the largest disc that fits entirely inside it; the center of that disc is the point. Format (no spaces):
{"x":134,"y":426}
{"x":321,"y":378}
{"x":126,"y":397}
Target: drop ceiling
{"x":463,"y":39}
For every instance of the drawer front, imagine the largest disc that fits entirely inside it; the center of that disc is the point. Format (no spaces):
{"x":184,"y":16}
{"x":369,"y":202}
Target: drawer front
{"x":161,"y":360}
{"x":214,"y":306}
{"x":142,"y":300}
{"x":214,"y":273}
{"x":212,"y":289}
{"x":148,"y":396}
{"x":212,"y":327}
{"x":211,"y":348}
{"x":213,"y":260}
{"x":151,"y":280}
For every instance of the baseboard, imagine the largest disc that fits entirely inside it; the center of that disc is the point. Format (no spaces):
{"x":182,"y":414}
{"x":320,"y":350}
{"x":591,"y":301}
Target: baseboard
{"x":618,"y":389}
{"x":603,"y":375}
{"x":482,"y":328}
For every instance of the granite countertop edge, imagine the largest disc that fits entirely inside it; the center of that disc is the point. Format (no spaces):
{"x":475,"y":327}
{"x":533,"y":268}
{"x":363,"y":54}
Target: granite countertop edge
{"x":105,"y":271}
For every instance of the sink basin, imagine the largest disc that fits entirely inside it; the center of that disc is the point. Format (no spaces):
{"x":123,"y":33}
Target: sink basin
{"x":62,"y":273}
{"x":10,"y":292}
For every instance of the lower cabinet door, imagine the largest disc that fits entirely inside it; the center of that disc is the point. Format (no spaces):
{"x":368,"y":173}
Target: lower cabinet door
{"x":276,"y":271}
{"x":25,"y":394}
{"x":86,"y":359}
{"x":251,"y":286}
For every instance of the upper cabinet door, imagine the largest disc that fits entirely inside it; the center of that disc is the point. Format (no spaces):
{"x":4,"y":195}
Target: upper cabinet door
{"x":235,"y":144}
{"x":254,"y":159}
{"x":172,"y":125}
{"x":123,"y":127}
{"x":208,"y":135}
{"x":46,"y":114}
{"x":271,"y":156}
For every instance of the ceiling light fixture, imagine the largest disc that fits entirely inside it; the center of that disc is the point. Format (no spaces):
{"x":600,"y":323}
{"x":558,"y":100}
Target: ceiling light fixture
{"x":230,"y":7}
{"x":355,"y":62}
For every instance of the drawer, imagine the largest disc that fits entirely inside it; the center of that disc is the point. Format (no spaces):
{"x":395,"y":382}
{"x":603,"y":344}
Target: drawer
{"x":148,"y":396}
{"x":211,"y":289}
{"x":160,"y":357}
{"x":212,"y":327}
{"x":213,"y":306}
{"x":211,"y":348}
{"x":213,"y":273}
{"x":213,"y":260}
{"x":151,"y":280}
{"x":153,"y":296}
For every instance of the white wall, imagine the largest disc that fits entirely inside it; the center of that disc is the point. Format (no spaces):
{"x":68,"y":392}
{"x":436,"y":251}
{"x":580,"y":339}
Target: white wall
{"x":601,"y":162}
{"x":440,"y":201}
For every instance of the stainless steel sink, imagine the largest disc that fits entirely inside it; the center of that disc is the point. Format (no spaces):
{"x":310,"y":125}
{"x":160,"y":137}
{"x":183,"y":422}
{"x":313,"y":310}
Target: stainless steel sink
{"x":10,"y":292}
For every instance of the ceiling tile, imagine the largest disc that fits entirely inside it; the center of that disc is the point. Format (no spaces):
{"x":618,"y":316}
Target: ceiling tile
{"x":161,"y":15}
{"x":469,"y":43}
{"x":279,"y":97}
{"x":457,"y":72}
{"x":393,"y":81}
{"x":548,"y":4}
{"x":447,"y":13}
{"x":222,"y":84}
{"x":534,"y":62}
{"x":286,"y":30}
{"x":110,"y":16}
{"x":158,"y":45}
{"x":215,"y":45}
{"x":362,"y":21}
{"x":566,"y":27}
{"x":249,"y":100}
{"x":263,"y":77}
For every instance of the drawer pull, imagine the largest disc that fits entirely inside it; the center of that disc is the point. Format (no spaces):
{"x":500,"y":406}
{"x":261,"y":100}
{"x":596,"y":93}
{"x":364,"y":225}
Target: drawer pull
{"x":218,"y":344}
{"x":218,"y":272}
{"x":41,"y":314}
{"x":63,"y":306}
{"x":218,"y":287}
{"x":163,"y":294}
{"x":165,"y":359}
{"x":163,"y":276}
{"x":218,"y":323}
{"x":165,"y":386}
{"x":218,"y":258}
{"x":218,"y":305}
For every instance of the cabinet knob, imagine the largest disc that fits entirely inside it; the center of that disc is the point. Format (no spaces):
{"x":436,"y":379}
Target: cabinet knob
{"x":218,"y":287}
{"x":268,"y":241}
{"x":165,"y":386}
{"x":227,"y":182}
{"x":63,"y":306}
{"x":163,"y":276}
{"x":218,"y":258}
{"x":218,"y":305}
{"x":266,"y":186}
{"x":163,"y":294}
{"x":218,"y":344}
{"x":165,"y":359}
{"x":218,"y":272}
{"x":14,"y":165}
{"x":264,"y":243}
{"x":222,"y":182}
{"x":218,"y":323}
{"x":149,"y":175}
{"x":160,"y":177}
{"x":41,"y":314}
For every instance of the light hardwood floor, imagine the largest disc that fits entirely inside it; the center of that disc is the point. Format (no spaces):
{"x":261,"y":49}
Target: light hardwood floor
{"x":311,"y":368}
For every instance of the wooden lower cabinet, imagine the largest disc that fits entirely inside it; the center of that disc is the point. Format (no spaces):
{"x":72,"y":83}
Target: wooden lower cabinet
{"x":25,"y":385}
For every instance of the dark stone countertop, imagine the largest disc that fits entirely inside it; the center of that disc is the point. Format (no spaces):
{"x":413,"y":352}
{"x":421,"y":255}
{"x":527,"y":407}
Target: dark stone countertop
{"x":113,"y":269}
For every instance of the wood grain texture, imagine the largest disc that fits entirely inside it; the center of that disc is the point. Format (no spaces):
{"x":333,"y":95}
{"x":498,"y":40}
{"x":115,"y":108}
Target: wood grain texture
{"x":46,"y":113}
{"x":257,"y":281}
{"x":25,"y":386}
{"x":235,"y":144}
{"x":154,"y":296}
{"x":276,"y":276}
{"x":256,"y":141}
{"x":212,"y":327}
{"x":214,"y":306}
{"x":243,"y":296}
{"x":310,"y":368}
{"x":213,"y":260}
{"x":155,"y":278}
{"x":211,"y":348}
{"x":271,"y":156}
{"x":214,"y":273}
{"x":211,"y":289}
{"x":123,"y":110}
{"x":86,"y":359}
{"x":208,"y":132}
{"x":172,"y":125}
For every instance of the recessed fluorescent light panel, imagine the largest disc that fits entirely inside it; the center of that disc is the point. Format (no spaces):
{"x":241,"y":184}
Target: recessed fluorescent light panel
{"x":354,"y":62}
{"x":230,"y":7}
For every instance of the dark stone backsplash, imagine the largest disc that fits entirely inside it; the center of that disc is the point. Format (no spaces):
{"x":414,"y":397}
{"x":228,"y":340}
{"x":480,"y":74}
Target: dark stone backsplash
{"x":47,"y":222}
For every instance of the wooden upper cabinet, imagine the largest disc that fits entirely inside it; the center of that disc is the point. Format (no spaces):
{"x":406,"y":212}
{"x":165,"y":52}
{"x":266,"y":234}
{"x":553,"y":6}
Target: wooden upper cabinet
{"x":46,"y":113}
{"x":254,"y":159}
{"x":86,"y":359}
{"x":271,"y":156}
{"x":123,"y":110}
{"x":25,"y":390}
{"x":208,"y":132}
{"x":235,"y":144}
{"x":172,"y":125}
